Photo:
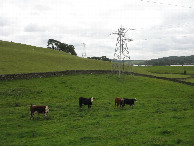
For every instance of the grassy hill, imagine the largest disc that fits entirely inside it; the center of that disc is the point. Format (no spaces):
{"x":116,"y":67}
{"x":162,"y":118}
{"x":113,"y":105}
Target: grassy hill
{"x":20,"y":58}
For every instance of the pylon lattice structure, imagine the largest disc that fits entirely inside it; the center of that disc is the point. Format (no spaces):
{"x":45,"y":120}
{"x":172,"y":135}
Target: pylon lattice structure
{"x":121,"y":50}
{"x":84,"y":50}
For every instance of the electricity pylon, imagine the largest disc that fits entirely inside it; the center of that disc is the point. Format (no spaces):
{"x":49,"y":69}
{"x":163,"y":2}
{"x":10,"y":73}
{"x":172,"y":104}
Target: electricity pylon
{"x":84,"y":50}
{"x":121,"y":50}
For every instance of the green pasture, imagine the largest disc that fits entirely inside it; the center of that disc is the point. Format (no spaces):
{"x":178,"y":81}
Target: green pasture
{"x":169,"y":69}
{"x":163,"y":114}
{"x":190,"y":80}
{"x":185,"y":73}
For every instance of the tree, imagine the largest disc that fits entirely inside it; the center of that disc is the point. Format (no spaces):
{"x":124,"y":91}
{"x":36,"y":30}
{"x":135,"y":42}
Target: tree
{"x":72,"y":50}
{"x":56,"y":45}
{"x":103,"y":58}
{"x":53,"y":44}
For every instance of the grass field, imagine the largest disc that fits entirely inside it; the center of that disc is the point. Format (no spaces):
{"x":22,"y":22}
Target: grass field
{"x":171,"y":72}
{"x":190,"y":80}
{"x":170,"y":69}
{"x":163,"y":114}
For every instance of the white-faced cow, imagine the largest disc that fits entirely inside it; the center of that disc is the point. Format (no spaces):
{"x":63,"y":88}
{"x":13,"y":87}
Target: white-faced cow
{"x":38,"y":109}
{"x":119,"y":101}
{"x":130,"y":102}
{"x":86,"y":101}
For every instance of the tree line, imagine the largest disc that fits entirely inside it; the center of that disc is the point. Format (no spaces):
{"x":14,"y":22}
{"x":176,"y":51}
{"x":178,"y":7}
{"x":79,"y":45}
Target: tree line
{"x":57,"y":45}
{"x":165,"y":61}
{"x":103,"y":58}
{"x":172,"y":60}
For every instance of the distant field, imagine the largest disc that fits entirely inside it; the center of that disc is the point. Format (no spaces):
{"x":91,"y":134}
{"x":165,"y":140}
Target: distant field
{"x":19,"y":58}
{"x":163,"y":114}
{"x":171,"y":72}
{"x":190,"y":80}
{"x":170,"y":69}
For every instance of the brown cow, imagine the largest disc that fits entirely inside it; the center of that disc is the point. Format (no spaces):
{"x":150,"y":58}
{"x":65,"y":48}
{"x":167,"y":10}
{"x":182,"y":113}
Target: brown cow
{"x":119,"y":101}
{"x":38,"y":109}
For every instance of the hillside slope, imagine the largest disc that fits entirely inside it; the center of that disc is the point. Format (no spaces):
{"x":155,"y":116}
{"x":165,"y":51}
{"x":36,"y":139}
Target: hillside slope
{"x":20,"y":58}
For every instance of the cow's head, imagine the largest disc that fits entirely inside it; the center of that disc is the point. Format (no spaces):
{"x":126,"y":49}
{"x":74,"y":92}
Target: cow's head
{"x":135,"y":100}
{"x":92,"y":99}
{"x":46,"y":109}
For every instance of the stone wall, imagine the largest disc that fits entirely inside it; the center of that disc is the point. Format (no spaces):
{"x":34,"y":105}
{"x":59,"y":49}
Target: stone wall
{"x":50,"y":74}
{"x":74,"y":72}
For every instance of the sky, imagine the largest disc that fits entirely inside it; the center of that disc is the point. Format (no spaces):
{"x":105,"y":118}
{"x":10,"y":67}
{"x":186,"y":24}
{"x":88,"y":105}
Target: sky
{"x":162,"y":27}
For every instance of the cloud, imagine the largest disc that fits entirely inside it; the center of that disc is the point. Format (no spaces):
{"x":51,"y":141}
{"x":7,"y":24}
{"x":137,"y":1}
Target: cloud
{"x":3,"y":22}
{"x":41,"y":8}
{"x":35,"y":28}
{"x":161,"y":29}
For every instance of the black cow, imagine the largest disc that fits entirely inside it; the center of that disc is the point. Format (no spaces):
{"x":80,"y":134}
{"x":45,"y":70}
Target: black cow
{"x":86,"y":101}
{"x":130,"y":102}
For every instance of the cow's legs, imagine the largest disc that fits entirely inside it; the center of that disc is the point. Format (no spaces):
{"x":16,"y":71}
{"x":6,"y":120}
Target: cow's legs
{"x":80,"y":105}
{"x":32,"y":116}
{"x":123,"y":106}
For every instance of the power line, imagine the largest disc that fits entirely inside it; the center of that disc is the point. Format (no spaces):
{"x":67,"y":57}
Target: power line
{"x":167,"y":4}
